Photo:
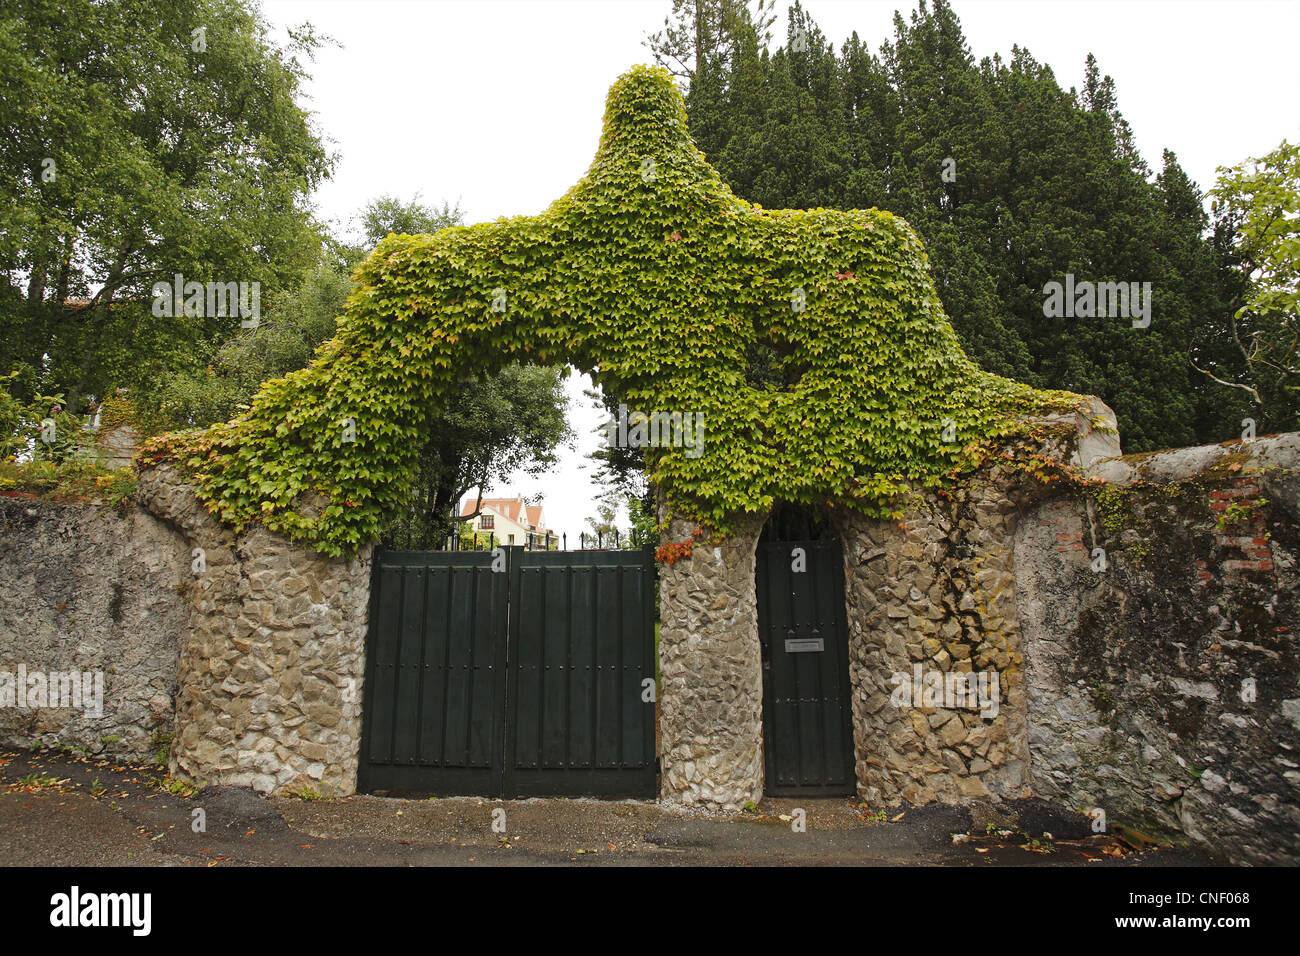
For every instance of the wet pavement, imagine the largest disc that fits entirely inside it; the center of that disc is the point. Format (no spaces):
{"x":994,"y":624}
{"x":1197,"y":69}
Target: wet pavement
{"x":60,"y":808}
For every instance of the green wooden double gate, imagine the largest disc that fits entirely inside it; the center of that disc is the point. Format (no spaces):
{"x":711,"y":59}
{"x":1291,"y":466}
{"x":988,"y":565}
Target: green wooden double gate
{"x":533,"y":679}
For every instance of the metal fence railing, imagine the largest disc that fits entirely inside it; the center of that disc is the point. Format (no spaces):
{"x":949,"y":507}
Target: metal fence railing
{"x":586,"y":541}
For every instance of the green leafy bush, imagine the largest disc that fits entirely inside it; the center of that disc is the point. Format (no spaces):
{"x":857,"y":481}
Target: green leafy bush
{"x":72,"y":480}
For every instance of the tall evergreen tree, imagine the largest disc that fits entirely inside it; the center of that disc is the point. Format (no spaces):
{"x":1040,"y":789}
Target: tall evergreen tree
{"x":1011,"y":181}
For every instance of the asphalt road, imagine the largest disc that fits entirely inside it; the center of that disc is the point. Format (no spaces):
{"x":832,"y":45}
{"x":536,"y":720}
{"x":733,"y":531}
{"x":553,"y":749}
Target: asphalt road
{"x":66,"y":809}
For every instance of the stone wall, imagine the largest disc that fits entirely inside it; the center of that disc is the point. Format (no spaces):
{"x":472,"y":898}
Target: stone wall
{"x":935,"y":591}
{"x":710,"y":704}
{"x":935,"y":658}
{"x":1137,"y":640}
{"x":93,"y":590}
{"x":116,"y":446}
{"x":1144,"y":634}
{"x":272,"y":664}
{"x":246,"y":652}
{"x":1164,"y":669}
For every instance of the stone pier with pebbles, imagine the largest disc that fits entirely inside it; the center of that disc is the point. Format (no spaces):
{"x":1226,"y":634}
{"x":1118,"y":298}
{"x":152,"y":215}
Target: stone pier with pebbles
{"x":271,"y":664}
{"x":710,"y":705}
{"x":936,"y":589}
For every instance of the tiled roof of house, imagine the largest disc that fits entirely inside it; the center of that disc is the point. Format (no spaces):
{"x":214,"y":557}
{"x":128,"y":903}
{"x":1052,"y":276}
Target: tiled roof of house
{"x":512,"y":508}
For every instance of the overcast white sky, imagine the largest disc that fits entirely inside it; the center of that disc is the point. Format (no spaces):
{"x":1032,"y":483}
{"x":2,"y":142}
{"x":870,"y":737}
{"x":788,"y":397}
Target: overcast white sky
{"x":497,"y":103}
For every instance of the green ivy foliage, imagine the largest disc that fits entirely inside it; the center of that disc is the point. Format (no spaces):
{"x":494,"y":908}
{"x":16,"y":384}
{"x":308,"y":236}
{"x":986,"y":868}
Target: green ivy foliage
{"x":652,"y":275}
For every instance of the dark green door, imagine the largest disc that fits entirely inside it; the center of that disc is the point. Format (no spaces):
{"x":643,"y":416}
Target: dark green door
{"x":524,"y":681}
{"x":807,"y":720}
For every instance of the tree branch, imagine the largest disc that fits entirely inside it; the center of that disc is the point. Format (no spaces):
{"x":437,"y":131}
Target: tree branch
{"x":1216,"y":378}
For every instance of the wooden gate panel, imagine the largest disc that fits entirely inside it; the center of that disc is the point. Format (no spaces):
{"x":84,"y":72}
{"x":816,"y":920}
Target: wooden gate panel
{"x":526,"y":681}
{"x":584,"y":634}
{"x":435,"y":678}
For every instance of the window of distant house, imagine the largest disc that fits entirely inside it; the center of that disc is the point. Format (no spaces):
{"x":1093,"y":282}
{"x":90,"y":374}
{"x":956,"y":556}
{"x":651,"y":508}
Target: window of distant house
{"x":485,"y":521}
{"x":512,"y":538}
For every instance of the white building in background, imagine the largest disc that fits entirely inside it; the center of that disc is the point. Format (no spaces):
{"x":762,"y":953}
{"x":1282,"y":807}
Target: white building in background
{"x":512,"y":520}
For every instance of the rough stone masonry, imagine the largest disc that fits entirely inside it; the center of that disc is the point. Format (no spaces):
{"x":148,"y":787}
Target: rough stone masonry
{"x":93,"y":590}
{"x":272,"y":661}
{"x":1143,"y":631}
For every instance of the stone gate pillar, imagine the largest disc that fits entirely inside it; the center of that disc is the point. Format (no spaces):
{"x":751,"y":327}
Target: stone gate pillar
{"x":270,"y":676}
{"x":711,"y":703}
{"x":933,"y":595}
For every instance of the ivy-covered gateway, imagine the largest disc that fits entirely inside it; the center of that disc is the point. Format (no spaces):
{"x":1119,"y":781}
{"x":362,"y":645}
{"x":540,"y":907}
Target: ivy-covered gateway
{"x":653,"y":276}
